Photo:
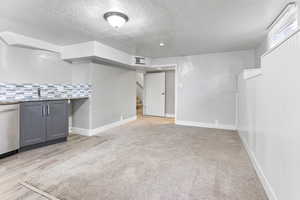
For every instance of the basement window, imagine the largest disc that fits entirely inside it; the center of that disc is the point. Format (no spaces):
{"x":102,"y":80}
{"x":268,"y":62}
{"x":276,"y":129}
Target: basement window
{"x":285,"y":25}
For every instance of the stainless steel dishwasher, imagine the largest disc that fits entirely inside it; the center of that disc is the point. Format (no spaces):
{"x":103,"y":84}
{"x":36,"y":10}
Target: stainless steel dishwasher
{"x":9,"y":129}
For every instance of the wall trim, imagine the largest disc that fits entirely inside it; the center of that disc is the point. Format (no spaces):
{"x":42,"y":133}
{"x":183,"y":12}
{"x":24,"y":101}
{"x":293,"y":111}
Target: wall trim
{"x":263,"y":179}
{"x":91,"y":132}
{"x":168,"y":115}
{"x":80,"y":131}
{"x":251,"y":73}
{"x":206,"y":125}
{"x":112,"y":125}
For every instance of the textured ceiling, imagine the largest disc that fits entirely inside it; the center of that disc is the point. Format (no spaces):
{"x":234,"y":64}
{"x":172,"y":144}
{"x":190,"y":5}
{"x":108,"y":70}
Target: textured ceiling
{"x":186,"y":26}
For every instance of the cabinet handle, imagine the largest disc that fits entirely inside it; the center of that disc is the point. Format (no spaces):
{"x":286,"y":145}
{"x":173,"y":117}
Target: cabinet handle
{"x":48,"y":109}
{"x":42,"y":111}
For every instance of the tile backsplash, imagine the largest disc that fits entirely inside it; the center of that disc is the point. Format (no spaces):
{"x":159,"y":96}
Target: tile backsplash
{"x":11,"y":91}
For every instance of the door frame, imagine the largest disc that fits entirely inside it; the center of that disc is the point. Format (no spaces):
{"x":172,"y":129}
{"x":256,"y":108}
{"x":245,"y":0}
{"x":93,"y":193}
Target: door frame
{"x":163,"y":68}
{"x":161,"y":74}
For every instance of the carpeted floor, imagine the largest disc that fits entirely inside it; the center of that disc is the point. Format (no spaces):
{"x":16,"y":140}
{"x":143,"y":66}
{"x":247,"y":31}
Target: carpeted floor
{"x":149,"y":159}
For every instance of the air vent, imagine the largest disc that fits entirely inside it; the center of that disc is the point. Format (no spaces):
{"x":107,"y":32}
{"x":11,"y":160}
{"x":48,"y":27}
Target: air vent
{"x":140,"y":60}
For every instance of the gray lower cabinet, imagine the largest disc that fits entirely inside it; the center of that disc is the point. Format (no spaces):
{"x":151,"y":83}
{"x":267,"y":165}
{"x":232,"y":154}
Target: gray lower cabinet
{"x":44,"y":121}
{"x":32,"y":123}
{"x":57,"y":122}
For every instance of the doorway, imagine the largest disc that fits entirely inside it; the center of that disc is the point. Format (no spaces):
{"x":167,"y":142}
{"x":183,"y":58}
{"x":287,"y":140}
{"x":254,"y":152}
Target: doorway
{"x":155,"y":94}
{"x":159,"y":94}
{"x":139,"y":94}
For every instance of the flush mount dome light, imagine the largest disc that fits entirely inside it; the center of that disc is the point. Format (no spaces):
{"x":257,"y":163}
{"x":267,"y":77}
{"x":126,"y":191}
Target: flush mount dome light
{"x":161,"y":44}
{"x":116,"y":19}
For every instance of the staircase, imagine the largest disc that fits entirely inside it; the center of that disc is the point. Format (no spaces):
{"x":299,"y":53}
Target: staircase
{"x":139,"y":107}
{"x":139,"y":103}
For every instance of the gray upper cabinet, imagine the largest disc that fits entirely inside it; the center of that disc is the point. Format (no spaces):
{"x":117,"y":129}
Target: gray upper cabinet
{"x":32,"y":123}
{"x":43,"y":121}
{"x":57,"y":119}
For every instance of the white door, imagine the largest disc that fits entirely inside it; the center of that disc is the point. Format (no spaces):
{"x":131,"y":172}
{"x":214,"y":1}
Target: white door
{"x":155,"y":94}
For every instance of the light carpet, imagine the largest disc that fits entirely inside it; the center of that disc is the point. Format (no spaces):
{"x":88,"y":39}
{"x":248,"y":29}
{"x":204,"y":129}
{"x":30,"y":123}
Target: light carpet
{"x":153,"y":159}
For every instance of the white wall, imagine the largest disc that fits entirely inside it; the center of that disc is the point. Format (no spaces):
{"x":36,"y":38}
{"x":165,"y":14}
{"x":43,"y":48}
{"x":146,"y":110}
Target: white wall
{"x":269,"y":120}
{"x":264,"y":45}
{"x":140,"y":78}
{"x":170,"y":93}
{"x":20,"y":65}
{"x":114,"y":94}
{"x":95,"y":49}
{"x":260,"y":50}
{"x":114,"y":89}
{"x":207,"y":86}
{"x":140,"y":85}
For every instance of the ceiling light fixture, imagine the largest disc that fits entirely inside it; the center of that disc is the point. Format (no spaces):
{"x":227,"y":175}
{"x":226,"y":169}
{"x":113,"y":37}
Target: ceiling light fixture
{"x":162,"y":44}
{"x":116,"y":19}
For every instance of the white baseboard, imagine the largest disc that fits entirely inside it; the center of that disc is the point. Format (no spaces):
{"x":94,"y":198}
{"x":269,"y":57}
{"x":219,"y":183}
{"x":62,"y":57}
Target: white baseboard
{"x":112,"y":125}
{"x":263,"y":179}
{"x":169,"y":115}
{"x":91,"y":132}
{"x":80,"y":131}
{"x":206,"y":125}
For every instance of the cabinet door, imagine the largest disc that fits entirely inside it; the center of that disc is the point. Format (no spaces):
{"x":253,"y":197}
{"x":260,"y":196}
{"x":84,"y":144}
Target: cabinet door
{"x":57,"y":119}
{"x":32,"y":123}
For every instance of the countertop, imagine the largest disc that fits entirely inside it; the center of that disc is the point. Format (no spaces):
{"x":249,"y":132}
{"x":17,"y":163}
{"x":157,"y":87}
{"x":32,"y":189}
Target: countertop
{"x":16,"y":101}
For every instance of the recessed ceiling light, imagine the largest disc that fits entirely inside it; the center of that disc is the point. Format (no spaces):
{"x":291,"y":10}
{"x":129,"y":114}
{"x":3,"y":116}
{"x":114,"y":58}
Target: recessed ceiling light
{"x":162,"y":44}
{"x":116,"y":19}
